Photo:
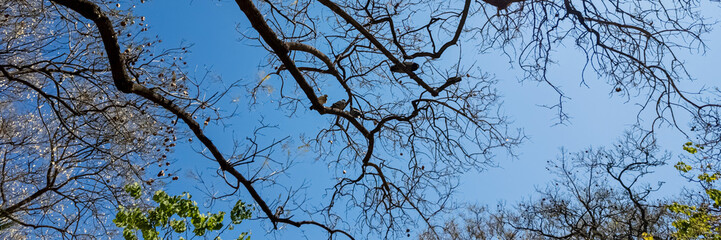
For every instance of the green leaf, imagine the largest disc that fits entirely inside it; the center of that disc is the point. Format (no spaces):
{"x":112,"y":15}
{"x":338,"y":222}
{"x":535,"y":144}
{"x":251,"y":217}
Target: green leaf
{"x":150,"y":234}
{"x":178,"y":226}
{"x":715,"y":195}
{"x":134,"y":190}
{"x":240,"y":212}
{"x":690,"y":149}
{"x":683,"y":167}
{"x":709,"y":178}
{"x":244,"y":236}
{"x":129,"y":234}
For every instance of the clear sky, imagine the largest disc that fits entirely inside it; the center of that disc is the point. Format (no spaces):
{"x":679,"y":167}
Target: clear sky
{"x":599,"y":117}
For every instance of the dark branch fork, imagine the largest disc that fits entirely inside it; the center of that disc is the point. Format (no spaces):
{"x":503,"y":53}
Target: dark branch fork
{"x":433,"y":91}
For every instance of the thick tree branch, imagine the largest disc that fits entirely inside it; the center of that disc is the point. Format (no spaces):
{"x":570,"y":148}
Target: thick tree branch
{"x":93,"y":12}
{"x":453,"y":41}
{"x":279,"y":48}
{"x":338,"y":11}
{"x":296,"y":46}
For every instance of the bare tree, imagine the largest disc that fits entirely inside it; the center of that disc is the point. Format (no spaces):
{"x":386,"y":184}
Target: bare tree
{"x":477,"y":223}
{"x":601,"y":193}
{"x":69,"y":141}
{"x":409,"y":113}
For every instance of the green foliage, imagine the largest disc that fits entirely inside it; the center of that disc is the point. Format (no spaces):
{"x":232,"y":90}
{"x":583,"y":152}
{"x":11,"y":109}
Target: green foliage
{"x":709,"y":178}
{"x":692,"y":148}
{"x":698,"y":222}
{"x":244,"y":236}
{"x":715,"y":195}
{"x":134,"y":190}
{"x":148,"y":222}
{"x":240,"y":212}
{"x":683,"y":167}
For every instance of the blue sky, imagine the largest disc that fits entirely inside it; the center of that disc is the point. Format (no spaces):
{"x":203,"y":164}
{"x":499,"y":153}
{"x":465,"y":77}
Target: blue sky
{"x":598,"y":116}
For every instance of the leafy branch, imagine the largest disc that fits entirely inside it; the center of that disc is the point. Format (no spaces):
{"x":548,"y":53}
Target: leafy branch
{"x":151,"y":222}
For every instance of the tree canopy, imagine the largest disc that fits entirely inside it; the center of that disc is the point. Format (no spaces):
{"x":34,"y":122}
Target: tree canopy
{"x":91,"y":102}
